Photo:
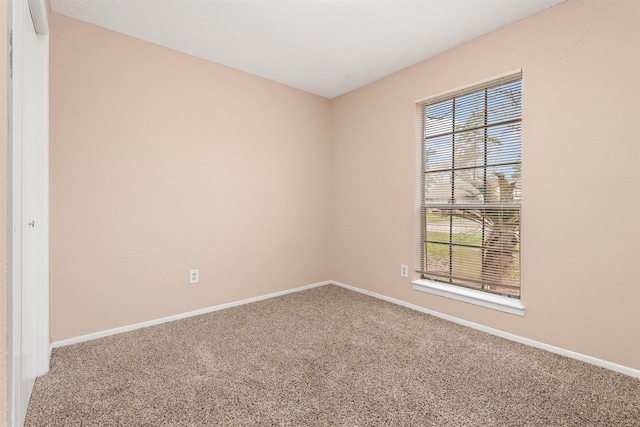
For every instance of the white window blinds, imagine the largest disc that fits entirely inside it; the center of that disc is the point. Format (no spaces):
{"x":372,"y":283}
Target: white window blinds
{"x":470,"y":187}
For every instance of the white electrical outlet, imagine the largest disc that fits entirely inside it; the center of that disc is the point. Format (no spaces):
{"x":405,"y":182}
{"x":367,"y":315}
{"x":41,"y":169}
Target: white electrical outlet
{"x":404,"y":270}
{"x":194,"y":276}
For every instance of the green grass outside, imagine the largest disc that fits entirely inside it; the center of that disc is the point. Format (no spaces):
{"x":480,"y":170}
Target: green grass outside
{"x":439,"y":254}
{"x":464,"y":238}
{"x":436,"y":218}
{"x":468,"y":259}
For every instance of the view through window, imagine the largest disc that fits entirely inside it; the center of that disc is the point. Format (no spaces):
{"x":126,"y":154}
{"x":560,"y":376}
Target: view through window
{"x":471,"y":192}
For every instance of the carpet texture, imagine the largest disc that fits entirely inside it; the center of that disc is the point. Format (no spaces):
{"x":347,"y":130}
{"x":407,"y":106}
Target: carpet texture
{"x":325,"y":356}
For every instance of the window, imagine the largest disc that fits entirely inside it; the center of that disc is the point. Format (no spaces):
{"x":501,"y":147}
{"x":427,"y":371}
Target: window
{"x":470,"y":190}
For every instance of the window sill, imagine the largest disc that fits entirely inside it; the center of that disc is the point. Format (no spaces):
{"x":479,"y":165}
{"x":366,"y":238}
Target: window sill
{"x":471,"y":296}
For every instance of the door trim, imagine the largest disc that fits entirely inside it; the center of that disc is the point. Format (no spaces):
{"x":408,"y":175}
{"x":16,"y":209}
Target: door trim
{"x":18,"y":396}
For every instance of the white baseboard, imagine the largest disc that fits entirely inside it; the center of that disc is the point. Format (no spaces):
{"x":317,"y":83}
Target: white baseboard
{"x":522,"y":340}
{"x":512,"y":337}
{"x":206,"y":310}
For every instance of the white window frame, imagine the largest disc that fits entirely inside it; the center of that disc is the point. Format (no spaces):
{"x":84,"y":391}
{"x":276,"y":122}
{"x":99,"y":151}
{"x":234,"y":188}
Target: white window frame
{"x":451,"y":291}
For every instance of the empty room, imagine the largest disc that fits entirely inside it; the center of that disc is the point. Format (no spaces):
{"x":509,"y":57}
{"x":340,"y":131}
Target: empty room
{"x":317,"y":212}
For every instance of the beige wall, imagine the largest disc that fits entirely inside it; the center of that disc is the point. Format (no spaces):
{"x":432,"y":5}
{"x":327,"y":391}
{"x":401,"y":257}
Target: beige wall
{"x":3,"y":213}
{"x":162,"y":162}
{"x":581,"y":182}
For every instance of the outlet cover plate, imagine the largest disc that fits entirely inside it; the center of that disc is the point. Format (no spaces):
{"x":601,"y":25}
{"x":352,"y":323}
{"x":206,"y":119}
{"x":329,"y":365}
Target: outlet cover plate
{"x":194,"y":276}
{"x":404,"y":270}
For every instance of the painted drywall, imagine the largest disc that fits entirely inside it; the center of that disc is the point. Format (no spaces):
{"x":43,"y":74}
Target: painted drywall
{"x":162,"y":163}
{"x":3,"y":214}
{"x":580,"y":176}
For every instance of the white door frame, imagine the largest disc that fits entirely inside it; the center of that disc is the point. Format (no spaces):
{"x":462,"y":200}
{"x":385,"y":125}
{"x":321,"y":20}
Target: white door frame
{"x":28,"y":348}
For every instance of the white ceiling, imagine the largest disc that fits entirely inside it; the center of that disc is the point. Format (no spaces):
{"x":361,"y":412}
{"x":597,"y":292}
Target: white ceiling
{"x":326,"y":47}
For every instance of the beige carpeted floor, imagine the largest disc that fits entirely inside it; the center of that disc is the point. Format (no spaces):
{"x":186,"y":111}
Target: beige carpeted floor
{"x":326,"y":356}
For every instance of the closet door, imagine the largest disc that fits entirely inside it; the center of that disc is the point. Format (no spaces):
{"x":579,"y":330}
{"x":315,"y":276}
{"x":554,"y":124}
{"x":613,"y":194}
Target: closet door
{"x":29,"y":313}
